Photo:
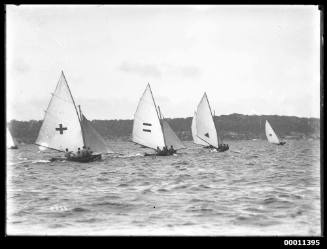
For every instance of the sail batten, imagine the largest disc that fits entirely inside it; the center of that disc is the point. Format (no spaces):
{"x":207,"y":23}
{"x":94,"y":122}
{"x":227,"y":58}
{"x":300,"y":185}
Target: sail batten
{"x":205,"y":126}
{"x":61,"y":126}
{"x":270,"y":134}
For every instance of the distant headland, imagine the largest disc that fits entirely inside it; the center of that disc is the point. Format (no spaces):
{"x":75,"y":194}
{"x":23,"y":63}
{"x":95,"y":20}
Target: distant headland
{"x":230,"y":127}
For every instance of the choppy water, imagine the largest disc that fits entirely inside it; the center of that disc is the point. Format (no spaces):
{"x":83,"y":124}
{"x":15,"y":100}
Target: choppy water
{"x":253,"y":189}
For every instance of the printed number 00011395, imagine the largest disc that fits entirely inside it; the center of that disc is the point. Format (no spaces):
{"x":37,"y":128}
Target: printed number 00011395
{"x":303,"y":242}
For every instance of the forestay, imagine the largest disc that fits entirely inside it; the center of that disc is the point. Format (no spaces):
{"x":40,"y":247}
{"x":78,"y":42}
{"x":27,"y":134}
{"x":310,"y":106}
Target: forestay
{"x":271,"y":135}
{"x":61,"y":127}
{"x":147,"y":129}
{"x":205,"y":125}
{"x":10,"y":140}
{"x":196,"y":139}
{"x":92,"y":138}
{"x":171,"y":139}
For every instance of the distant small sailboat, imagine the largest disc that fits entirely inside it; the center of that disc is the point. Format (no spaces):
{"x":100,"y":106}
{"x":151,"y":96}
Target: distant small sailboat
{"x":64,"y":127}
{"x":203,"y":127}
{"x":11,"y":144}
{"x":151,"y":130}
{"x":272,"y":136}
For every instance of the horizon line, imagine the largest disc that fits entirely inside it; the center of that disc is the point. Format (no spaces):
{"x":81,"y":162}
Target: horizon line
{"x":186,"y":117}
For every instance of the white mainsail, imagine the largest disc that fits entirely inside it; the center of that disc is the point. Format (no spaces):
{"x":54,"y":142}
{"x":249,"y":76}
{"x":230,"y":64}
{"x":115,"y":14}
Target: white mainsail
{"x":205,"y":126}
{"x":92,"y":138}
{"x":61,"y":126}
{"x":10,"y":140}
{"x":271,"y":135}
{"x":171,"y":139}
{"x":196,"y":139}
{"x":147,"y":129}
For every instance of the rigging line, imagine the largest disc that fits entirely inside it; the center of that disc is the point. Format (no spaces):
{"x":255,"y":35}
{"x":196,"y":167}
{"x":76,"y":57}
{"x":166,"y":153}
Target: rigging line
{"x":143,"y":145}
{"x":212,"y":116}
{"x":206,"y":141}
{"x":155,"y":107}
{"x":74,"y":106}
{"x":49,"y":147}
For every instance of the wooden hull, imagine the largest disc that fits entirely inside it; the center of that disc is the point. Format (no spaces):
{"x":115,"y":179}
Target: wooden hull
{"x":222,"y":149}
{"x":86,"y":159}
{"x":160,"y":154}
{"x":280,"y":143}
{"x":53,"y":159}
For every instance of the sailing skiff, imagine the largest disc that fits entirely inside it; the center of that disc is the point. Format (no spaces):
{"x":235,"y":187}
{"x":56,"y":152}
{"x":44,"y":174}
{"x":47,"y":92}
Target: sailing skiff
{"x":203,"y":127}
{"x":64,"y":127}
{"x":151,"y":129}
{"x":272,"y":136}
{"x":11,"y":144}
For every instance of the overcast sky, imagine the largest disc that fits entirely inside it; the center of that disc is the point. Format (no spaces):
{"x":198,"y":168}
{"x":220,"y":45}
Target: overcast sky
{"x":249,"y":59}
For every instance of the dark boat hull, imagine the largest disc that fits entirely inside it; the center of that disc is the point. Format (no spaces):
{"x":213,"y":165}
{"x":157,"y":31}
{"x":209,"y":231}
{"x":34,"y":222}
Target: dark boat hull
{"x":53,"y":159}
{"x":87,"y":159}
{"x":282,"y":143}
{"x":222,"y":149}
{"x":159,"y":154}
{"x":13,"y":147}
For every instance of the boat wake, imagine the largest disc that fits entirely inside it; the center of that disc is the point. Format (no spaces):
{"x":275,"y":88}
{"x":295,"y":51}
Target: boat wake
{"x":40,"y":161}
{"x":128,"y":155}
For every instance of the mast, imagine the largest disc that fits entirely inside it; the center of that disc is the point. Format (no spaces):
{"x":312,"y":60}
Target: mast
{"x":157,"y":112}
{"x":79,"y":117}
{"x":160,"y":114}
{"x":62,"y":72}
{"x":212,"y":117}
{"x":153,"y":101}
{"x":80,"y":120}
{"x":161,"y":118}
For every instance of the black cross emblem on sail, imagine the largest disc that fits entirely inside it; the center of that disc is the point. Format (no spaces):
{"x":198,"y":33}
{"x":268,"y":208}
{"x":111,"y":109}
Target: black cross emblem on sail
{"x":147,"y":124}
{"x":61,"y":129}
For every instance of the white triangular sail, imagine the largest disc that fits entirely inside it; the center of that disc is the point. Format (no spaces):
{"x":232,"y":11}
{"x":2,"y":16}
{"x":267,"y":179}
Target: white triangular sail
{"x":205,"y":126}
{"x":171,"y":139}
{"x":147,"y":129}
{"x":271,"y":135}
{"x":61,"y":127}
{"x":92,"y":138}
{"x":10,"y":140}
{"x":196,"y":139}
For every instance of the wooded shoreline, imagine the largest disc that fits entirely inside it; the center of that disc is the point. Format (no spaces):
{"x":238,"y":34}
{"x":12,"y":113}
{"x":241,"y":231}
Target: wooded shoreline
{"x":231,"y":127}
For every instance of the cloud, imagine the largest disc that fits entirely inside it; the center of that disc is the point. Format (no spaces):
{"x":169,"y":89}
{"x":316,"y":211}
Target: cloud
{"x":182,"y":71}
{"x":21,"y":66}
{"x":143,"y":70}
{"x":160,"y":70}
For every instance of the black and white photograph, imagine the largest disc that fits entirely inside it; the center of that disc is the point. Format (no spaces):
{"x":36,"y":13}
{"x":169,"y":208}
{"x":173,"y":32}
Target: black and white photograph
{"x":163,"y":120}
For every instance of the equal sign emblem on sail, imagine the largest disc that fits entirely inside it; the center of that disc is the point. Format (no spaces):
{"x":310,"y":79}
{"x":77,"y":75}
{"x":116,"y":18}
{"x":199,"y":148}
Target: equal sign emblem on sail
{"x":147,"y":124}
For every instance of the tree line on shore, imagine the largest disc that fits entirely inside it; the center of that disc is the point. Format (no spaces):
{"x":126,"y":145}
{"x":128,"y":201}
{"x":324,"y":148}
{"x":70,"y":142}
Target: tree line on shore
{"x":233,"y":126}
